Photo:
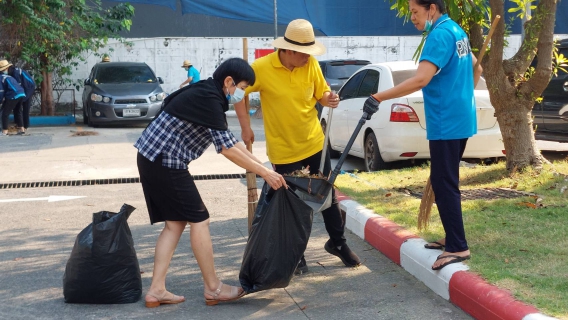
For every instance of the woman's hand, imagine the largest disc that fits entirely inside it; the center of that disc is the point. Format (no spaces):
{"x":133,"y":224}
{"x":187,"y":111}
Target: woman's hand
{"x":274,"y":179}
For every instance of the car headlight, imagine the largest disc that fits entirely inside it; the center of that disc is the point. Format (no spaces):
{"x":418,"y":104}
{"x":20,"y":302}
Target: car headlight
{"x":98,"y":98}
{"x":161,"y":96}
{"x":95,"y":97}
{"x":153,"y":98}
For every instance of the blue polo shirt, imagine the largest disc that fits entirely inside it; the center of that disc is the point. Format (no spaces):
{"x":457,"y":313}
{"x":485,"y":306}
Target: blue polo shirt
{"x":192,"y":72}
{"x":448,"y":98}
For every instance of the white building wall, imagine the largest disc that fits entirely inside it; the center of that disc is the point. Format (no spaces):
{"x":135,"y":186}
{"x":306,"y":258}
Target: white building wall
{"x":165,"y":55}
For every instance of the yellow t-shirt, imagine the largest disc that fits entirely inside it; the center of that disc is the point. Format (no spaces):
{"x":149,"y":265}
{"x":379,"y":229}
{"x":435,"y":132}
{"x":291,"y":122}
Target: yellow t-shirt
{"x":288,"y":100}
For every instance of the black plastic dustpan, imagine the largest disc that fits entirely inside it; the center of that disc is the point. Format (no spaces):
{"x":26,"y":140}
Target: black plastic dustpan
{"x":316,"y":192}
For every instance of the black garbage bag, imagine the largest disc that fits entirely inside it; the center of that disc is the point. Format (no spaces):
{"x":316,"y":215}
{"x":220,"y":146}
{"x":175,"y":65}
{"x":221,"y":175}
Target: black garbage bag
{"x":278,"y":238}
{"x":103,"y":267}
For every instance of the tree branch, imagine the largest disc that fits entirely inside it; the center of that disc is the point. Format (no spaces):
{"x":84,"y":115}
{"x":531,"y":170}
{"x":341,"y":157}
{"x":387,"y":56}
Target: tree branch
{"x":545,"y":18}
{"x":493,"y":68}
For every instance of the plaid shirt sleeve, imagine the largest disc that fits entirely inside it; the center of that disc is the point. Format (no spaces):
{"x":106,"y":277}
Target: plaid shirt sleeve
{"x":222,"y":139}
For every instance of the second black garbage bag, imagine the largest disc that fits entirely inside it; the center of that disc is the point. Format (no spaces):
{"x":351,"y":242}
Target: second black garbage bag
{"x":103,"y":267}
{"x":278,"y":238}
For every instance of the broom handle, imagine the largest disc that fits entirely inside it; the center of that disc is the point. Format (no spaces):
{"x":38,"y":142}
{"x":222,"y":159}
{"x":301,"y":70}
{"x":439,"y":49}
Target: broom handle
{"x":326,"y":139}
{"x":486,"y":42}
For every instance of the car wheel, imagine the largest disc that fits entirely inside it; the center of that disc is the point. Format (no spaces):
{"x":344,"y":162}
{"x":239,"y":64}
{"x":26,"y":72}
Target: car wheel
{"x":90,"y":122}
{"x":85,"y":116}
{"x":333,"y":154}
{"x":373,"y":160}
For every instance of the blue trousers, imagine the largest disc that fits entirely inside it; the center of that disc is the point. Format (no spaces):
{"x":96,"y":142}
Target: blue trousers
{"x":444,"y":175}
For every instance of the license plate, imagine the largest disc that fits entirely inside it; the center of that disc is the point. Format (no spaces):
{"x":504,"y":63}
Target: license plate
{"x":131,"y":112}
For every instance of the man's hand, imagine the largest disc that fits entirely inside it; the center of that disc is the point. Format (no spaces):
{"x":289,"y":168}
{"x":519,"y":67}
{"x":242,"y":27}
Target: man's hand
{"x":247,"y":135}
{"x":333,"y":100}
{"x":371,"y":106}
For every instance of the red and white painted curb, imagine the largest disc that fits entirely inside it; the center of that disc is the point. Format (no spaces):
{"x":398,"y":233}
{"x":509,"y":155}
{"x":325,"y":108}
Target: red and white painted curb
{"x":454,"y":283}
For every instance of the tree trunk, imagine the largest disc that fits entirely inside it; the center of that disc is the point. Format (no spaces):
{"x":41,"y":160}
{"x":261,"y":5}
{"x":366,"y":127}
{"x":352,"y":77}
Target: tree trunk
{"x":515,"y":121}
{"x":47,"y":107}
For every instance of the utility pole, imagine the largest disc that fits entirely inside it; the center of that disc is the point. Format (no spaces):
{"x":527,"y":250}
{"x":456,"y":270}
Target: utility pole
{"x":275,"y":20}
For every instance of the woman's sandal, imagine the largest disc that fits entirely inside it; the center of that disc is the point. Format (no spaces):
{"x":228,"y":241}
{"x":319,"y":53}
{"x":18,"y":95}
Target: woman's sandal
{"x":437,"y":245}
{"x":162,"y":300}
{"x":235,"y":295}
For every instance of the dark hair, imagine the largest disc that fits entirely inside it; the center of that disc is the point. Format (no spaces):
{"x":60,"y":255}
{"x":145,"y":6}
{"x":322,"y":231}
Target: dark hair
{"x":236,"y":68}
{"x":426,"y":4}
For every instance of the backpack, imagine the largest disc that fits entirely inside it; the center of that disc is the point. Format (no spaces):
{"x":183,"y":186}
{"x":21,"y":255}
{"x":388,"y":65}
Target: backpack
{"x":28,"y":83}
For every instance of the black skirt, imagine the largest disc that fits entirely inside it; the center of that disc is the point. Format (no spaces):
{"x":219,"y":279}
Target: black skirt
{"x":170,"y":194}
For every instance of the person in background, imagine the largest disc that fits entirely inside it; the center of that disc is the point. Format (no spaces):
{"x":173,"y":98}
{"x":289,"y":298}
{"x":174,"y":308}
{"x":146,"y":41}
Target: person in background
{"x":22,"y":110}
{"x":290,"y":81}
{"x":11,"y":93}
{"x":192,"y":73}
{"x":447,"y":78}
{"x":193,"y":118}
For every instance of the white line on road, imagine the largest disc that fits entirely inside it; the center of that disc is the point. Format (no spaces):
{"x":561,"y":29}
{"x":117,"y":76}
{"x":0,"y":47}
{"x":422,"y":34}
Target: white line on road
{"x":49,"y":199}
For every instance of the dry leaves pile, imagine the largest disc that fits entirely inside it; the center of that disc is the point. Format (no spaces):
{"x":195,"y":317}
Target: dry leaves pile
{"x":305,"y":173}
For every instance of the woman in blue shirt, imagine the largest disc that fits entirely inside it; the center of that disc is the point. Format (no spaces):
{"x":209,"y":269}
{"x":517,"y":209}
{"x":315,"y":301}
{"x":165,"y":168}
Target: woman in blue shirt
{"x":193,"y":118}
{"x":193,"y":75}
{"x":447,"y":79}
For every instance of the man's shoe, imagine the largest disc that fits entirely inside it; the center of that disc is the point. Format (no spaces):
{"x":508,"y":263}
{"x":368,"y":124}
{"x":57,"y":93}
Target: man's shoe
{"x":302,"y":267}
{"x":348,"y":257}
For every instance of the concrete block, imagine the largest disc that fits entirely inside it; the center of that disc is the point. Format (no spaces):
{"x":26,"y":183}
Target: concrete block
{"x":356,"y":217}
{"x":418,"y":261}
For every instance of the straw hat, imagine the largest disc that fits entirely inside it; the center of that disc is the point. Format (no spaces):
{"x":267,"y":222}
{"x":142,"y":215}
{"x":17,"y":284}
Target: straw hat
{"x":106,"y":59}
{"x":300,"y":37}
{"x":186,"y":63}
{"x":4,"y":64}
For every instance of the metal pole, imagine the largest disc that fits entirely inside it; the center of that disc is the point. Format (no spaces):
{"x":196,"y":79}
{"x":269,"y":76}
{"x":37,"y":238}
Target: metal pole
{"x":275,"y":20}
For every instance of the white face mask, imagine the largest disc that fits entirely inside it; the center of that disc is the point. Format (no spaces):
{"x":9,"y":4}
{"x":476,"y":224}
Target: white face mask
{"x":237,"y":96}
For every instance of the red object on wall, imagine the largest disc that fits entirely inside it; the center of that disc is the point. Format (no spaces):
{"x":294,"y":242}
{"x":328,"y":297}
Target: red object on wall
{"x":262,"y":52}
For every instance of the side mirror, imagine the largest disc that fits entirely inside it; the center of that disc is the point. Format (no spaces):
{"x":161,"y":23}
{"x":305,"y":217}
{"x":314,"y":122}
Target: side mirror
{"x":87,"y":82}
{"x":160,"y":80}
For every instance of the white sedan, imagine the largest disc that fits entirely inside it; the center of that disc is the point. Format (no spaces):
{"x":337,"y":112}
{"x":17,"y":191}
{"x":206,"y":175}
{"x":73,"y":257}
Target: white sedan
{"x":398,"y":130}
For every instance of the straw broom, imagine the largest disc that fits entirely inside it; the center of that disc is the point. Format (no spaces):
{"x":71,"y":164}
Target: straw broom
{"x":251,"y":176}
{"x":428,"y":195}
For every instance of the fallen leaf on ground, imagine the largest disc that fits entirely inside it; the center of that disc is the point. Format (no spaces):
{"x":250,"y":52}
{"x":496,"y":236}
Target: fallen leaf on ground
{"x":84,"y":133}
{"x":528,"y":204}
{"x":303,"y":308}
{"x":388,"y":194}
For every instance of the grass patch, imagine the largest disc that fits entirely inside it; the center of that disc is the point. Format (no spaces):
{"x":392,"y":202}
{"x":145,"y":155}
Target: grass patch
{"x":517,"y":244}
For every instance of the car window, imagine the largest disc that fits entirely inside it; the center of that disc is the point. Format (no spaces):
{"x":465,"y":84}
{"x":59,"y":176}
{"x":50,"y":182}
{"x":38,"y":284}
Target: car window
{"x":351,"y":87}
{"x":341,"y":71}
{"x":124,"y":74}
{"x":399,"y":76}
{"x":370,"y":84}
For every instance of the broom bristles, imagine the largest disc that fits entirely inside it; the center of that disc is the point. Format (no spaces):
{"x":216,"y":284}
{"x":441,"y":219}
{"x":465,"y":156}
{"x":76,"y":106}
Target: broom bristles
{"x":426,"y":206}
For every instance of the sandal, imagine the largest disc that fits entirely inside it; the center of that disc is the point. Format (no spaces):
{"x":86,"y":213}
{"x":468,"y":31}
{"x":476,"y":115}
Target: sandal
{"x":454,"y":259}
{"x":439,"y":245}
{"x":162,"y":300}
{"x":235,"y":295}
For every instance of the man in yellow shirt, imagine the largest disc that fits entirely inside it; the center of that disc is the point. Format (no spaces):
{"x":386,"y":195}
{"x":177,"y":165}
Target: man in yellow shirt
{"x":290,"y":83}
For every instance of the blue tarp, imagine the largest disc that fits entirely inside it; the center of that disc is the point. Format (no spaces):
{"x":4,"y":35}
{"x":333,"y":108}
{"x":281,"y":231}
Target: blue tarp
{"x":331,"y":17}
